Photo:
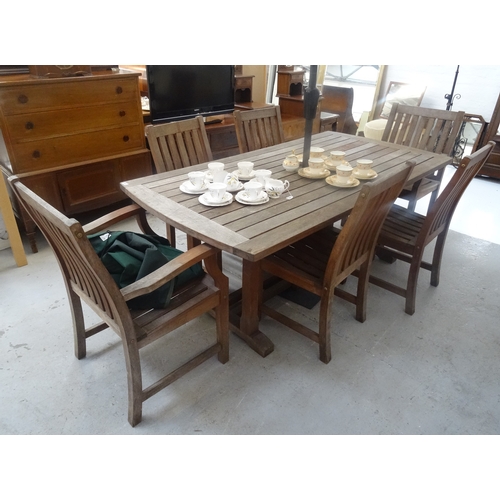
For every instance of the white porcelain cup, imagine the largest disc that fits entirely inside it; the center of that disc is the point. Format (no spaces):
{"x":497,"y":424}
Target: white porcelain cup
{"x":197,"y":179}
{"x":337,"y":157}
{"x":261,"y":176}
{"x":245,"y":168}
{"x":217,"y":190}
{"x":275,"y":187}
{"x":216,"y":168}
{"x":253,"y":189}
{"x":364,"y":164}
{"x":316,"y":152}
{"x":344,"y":174}
{"x":231,"y":180}
{"x":316,"y":164}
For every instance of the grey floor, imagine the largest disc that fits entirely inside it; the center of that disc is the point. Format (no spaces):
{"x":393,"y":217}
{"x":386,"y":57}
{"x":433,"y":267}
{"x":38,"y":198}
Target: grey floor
{"x":435,"y":372}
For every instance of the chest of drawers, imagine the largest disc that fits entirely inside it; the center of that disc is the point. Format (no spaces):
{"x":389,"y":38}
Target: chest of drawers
{"x":73,"y":140}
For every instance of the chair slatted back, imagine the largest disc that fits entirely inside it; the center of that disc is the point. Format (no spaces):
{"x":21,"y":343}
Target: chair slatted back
{"x":423,"y":128}
{"x":179,"y":144}
{"x":356,"y":241}
{"x":258,"y":128}
{"x":439,"y":217}
{"x":82,"y":270}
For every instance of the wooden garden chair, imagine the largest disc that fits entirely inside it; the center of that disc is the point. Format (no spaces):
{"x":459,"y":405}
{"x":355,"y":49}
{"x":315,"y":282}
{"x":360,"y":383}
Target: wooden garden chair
{"x":428,"y":129}
{"x":258,"y":128}
{"x":323,"y":260}
{"x":405,"y":234}
{"x":87,"y":279}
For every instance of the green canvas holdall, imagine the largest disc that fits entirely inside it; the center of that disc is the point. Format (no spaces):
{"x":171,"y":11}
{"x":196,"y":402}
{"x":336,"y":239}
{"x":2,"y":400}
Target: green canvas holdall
{"x":130,"y":256}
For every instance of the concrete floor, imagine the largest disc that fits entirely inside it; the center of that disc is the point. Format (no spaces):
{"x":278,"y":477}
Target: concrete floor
{"x":435,"y":372}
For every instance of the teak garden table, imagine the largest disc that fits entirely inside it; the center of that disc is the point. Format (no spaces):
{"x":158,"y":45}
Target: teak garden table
{"x":254,"y":232}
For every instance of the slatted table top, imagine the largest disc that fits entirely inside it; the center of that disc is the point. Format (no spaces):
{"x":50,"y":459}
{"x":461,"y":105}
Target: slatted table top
{"x":253,"y":232}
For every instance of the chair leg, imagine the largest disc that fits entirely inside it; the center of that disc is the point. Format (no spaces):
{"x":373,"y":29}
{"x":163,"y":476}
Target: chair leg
{"x":411,"y":286}
{"x":325,"y":312}
{"x":78,"y":324}
{"x":134,"y":379}
{"x":362,"y":291}
{"x":436,"y":258}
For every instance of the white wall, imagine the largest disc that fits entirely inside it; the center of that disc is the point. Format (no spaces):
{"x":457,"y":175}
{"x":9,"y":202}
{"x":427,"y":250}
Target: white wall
{"x":479,"y":86}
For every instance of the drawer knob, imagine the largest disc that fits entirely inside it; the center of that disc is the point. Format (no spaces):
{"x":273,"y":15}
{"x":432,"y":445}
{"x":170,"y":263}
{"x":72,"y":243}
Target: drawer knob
{"x":126,"y":138}
{"x":29,"y":126}
{"x":36,"y":154}
{"x":23,"y":99}
{"x":122,"y":113}
{"x":119,"y":90}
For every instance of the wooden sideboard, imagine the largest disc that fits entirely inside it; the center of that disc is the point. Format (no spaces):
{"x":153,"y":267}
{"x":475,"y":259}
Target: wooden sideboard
{"x":73,"y":139}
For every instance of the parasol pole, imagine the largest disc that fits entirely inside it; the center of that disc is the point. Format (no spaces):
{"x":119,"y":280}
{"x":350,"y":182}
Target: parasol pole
{"x":311,"y":98}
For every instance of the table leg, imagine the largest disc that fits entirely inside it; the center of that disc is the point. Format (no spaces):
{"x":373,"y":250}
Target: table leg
{"x":247,"y":328}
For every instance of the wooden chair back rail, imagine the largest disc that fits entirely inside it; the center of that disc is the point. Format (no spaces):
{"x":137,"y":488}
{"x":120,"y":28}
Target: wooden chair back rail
{"x":405,"y":234}
{"x":258,"y":128}
{"x":87,"y":279}
{"x":179,"y":144}
{"x":427,"y":129}
{"x":423,"y":128}
{"x":322,"y":261}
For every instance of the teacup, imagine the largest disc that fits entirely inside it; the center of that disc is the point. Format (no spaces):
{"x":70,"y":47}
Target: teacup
{"x":217,"y":190}
{"x":275,"y":187}
{"x":364,"y":165}
{"x":344,"y":174}
{"x":337,"y":157}
{"x":245,"y":168}
{"x":262,"y":175}
{"x":316,"y":152}
{"x":231,"y":180}
{"x":197,"y":179}
{"x":316,"y":164}
{"x":253,"y":189}
{"x":216,"y":168}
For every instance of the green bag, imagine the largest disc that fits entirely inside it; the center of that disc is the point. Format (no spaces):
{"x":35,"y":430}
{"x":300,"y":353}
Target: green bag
{"x":130,"y":256}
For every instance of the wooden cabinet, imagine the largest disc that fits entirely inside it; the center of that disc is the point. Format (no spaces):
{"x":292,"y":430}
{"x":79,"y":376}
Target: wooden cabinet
{"x":492,"y":167}
{"x":73,"y":139}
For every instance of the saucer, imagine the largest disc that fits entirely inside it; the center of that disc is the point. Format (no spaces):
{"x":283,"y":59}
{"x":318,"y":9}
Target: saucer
{"x":236,"y":187}
{"x":242,"y":197}
{"x":370,"y":174}
{"x":244,"y":177}
{"x":204,"y":199}
{"x":185,"y":187}
{"x":332,"y":180}
{"x":308,"y":172}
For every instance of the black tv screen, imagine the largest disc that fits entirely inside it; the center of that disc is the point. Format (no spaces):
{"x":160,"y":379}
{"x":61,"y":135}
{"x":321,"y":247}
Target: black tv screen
{"x":180,"y":92}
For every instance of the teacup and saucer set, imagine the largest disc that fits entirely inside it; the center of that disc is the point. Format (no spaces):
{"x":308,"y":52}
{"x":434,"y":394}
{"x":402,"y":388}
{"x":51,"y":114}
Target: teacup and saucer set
{"x":253,"y":193}
{"x":335,"y":159}
{"x":344,"y":177}
{"x":364,"y":170}
{"x":216,"y":196}
{"x":196,"y":183}
{"x":245,"y":171}
{"x":315,"y":170}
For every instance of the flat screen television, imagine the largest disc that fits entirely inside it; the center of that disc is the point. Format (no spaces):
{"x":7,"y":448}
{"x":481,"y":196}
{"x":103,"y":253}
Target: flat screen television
{"x":181,"y":92}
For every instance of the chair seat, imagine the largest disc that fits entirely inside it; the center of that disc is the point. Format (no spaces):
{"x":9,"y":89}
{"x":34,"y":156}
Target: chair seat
{"x":307,"y":258}
{"x":401,"y":225}
{"x":425,"y":187}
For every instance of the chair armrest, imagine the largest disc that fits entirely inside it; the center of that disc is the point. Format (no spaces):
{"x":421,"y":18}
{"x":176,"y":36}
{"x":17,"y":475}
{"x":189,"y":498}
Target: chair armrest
{"x":112,"y":218}
{"x":167,"y":272}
